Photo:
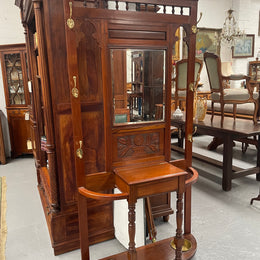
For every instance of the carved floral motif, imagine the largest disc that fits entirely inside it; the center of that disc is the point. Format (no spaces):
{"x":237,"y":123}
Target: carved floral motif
{"x":137,"y":144}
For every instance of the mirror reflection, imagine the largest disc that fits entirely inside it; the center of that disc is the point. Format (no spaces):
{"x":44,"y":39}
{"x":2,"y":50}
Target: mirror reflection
{"x":138,"y":82}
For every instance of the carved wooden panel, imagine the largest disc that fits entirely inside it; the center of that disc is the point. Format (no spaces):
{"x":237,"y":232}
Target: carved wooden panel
{"x":133,"y":145}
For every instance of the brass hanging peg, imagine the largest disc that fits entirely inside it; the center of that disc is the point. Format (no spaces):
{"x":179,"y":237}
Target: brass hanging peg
{"x":75,"y":91}
{"x":194,"y":28}
{"x":191,"y":87}
{"x":70,"y":21}
{"x":189,"y":137}
{"x":79,"y":151}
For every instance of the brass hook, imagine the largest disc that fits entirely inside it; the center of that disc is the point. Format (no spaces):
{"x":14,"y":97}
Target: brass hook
{"x":79,"y":151}
{"x":194,"y":28}
{"x":70,"y":21}
{"x":75,"y":91}
{"x":189,"y":137}
{"x":195,"y":130}
{"x":191,"y":87}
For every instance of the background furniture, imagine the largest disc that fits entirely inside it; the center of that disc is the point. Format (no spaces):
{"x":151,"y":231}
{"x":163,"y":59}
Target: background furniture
{"x":17,"y":97}
{"x":181,"y":80}
{"x":2,"y":147}
{"x":254,"y":71}
{"x":228,"y":132}
{"x":227,"y":96}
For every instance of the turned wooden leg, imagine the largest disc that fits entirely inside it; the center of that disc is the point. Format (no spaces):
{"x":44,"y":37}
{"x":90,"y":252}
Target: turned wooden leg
{"x":178,"y":240}
{"x":131,"y":231}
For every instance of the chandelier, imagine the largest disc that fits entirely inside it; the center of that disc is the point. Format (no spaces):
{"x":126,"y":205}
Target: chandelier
{"x":230,"y":31}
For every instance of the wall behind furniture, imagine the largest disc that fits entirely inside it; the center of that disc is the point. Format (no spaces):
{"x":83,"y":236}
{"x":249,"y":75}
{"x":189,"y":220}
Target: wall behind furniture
{"x":11,"y":31}
{"x":246,"y":13}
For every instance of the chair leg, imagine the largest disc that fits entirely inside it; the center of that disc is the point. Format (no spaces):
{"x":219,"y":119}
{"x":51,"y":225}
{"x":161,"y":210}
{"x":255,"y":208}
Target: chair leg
{"x":255,"y":112}
{"x":83,"y":227}
{"x":212,"y":110}
{"x":234,"y":111}
{"x":222,"y":112}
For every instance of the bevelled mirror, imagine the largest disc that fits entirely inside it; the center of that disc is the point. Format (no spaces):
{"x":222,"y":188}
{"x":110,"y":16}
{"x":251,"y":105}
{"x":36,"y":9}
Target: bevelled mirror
{"x":138,"y":82}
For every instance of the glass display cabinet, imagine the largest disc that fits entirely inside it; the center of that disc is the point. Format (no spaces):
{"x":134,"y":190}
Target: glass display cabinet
{"x":15,"y":79}
{"x":254,"y":71}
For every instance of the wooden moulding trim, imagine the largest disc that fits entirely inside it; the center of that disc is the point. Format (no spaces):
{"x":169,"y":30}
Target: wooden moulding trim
{"x":131,"y":15}
{"x":124,"y":25}
{"x":125,"y":128}
{"x":13,"y":47}
{"x":131,"y":34}
{"x":45,"y":180}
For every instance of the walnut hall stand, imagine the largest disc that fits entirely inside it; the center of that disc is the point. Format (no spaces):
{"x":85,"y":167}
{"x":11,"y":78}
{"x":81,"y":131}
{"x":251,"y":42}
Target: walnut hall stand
{"x":80,"y":53}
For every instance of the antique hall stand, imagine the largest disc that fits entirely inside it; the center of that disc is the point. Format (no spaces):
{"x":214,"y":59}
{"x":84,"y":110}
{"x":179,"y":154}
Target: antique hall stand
{"x":70,"y":45}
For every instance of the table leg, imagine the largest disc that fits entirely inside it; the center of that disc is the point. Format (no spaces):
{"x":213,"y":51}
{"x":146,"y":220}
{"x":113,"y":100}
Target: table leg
{"x":131,"y":231}
{"x":178,"y":240}
{"x":258,"y":157}
{"x":180,"y":137}
{"x":258,"y":165}
{"x":227,"y":163}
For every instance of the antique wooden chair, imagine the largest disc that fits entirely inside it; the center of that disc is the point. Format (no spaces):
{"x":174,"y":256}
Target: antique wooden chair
{"x":181,"y":79}
{"x":222,"y":95}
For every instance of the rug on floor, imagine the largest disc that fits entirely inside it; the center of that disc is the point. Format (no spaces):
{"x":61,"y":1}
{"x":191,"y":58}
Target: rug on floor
{"x":3,"y":227}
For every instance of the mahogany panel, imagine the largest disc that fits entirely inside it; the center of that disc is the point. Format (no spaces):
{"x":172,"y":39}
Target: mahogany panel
{"x":56,"y":51}
{"x":97,"y":223}
{"x":94,"y":146}
{"x":89,"y":64}
{"x":19,"y":131}
{"x":67,"y":166}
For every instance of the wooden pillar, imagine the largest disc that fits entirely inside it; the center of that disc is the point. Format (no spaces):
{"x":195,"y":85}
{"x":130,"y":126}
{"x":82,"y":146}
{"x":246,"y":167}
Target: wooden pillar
{"x":49,"y":129}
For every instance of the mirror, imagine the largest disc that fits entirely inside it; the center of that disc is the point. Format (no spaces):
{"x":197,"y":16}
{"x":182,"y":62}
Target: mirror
{"x":138,"y":82}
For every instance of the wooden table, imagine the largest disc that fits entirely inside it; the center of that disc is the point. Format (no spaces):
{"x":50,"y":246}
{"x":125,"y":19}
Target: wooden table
{"x":230,"y":130}
{"x":146,"y":180}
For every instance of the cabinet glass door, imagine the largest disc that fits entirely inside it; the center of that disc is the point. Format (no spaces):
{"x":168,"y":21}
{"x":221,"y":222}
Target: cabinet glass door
{"x":14,"y":79}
